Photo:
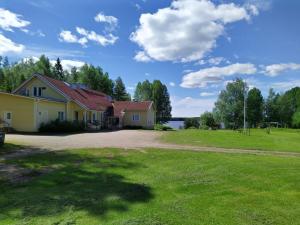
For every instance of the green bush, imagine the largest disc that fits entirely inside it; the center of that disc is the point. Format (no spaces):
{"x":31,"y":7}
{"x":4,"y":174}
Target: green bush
{"x":161,"y":127}
{"x":61,"y":126}
{"x":191,"y":122}
{"x":296,"y":120}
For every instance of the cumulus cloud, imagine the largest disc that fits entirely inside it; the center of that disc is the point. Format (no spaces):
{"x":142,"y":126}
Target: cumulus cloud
{"x":98,"y":38}
{"x":214,"y":75}
{"x":10,"y":20}
{"x":186,"y":30}
{"x":86,"y":35}
{"x":7,"y":46}
{"x":67,"y":36}
{"x":189,"y":107}
{"x":275,"y":69}
{"x":110,"y":20}
{"x":142,"y":57}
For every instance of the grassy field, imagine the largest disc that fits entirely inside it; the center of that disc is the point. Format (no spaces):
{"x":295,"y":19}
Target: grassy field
{"x":152,"y":187}
{"x":277,"y":140}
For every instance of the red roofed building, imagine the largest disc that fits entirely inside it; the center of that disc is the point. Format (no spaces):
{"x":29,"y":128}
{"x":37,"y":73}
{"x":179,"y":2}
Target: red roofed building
{"x":42,"y":99}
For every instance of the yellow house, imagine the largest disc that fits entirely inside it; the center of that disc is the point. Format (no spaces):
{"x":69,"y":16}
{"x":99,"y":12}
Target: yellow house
{"x":42,"y":99}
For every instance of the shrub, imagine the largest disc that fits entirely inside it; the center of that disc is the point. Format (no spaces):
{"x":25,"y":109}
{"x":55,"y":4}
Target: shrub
{"x":207,"y":121}
{"x":161,"y":127}
{"x":61,"y":126}
{"x":191,"y":122}
{"x":296,"y":120}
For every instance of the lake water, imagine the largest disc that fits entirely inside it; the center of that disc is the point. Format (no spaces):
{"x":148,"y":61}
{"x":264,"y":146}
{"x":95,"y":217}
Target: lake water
{"x":175,"y":124}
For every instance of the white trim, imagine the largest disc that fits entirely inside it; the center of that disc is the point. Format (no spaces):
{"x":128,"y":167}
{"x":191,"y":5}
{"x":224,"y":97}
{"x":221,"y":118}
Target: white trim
{"x":5,"y":117}
{"x":135,"y":119}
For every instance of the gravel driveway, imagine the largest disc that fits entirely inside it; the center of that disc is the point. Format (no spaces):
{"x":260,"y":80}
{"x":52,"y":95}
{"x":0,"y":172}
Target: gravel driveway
{"x":118,"y":139}
{"x":128,"y":139}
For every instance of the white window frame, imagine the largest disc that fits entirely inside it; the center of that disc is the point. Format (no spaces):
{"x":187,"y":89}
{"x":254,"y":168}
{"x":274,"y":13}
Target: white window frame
{"x":136,"y":117}
{"x":61,"y":116}
{"x":10,"y":119}
{"x":38,"y":91}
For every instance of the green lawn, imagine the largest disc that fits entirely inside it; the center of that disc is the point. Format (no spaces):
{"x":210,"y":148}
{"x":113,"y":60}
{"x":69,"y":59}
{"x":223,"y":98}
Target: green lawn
{"x":8,"y":148}
{"x":153,"y":187}
{"x":277,"y":140}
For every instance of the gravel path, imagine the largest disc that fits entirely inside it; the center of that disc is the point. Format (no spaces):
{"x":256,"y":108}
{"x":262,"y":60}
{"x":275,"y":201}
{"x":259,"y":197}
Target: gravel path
{"x":129,"y":139}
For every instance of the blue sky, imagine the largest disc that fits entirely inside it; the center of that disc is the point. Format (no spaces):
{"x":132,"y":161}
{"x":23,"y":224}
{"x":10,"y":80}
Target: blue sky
{"x":194,"y":46}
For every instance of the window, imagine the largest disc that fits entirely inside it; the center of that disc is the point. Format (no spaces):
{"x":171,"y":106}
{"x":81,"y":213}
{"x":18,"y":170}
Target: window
{"x":61,"y":116}
{"x":40,"y":91}
{"x":34,"y":91}
{"x":76,"y":115}
{"x":27,"y":92}
{"x":94,"y":116}
{"x":37,"y":92}
{"x":8,"y":116}
{"x":135,"y":117}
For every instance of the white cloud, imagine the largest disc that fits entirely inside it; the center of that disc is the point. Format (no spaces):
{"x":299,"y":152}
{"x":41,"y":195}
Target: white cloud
{"x":7,"y":45}
{"x":142,"y":57}
{"x":111,"y":20}
{"x":215,"y":75}
{"x":109,"y":39}
{"x":285,"y":85}
{"x":207,"y":94}
{"x":69,"y":64}
{"x":10,"y":20}
{"x":67,"y":36}
{"x":172,"y":84}
{"x":186,"y":30}
{"x":188,"y":106}
{"x":275,"y":69}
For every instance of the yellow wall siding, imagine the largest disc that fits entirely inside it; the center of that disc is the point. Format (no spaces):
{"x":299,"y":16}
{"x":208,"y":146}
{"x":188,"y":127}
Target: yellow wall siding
{"x":52,"y":109}
{"x":72,"y":107}
{"x":47,"y":93}
{"x":128,"y":121}
{"x":22,"y":110}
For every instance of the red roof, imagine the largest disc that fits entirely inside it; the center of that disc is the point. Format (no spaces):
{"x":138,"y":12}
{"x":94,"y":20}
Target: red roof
{"x":122,"y":106}
{"x":93,"y":100}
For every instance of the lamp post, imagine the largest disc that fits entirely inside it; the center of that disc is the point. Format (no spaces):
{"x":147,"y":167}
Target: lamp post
{"x":245,"y":106}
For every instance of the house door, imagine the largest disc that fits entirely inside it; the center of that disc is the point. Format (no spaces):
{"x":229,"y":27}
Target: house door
{"x":8,"y":119}
{"x":42,"y":117}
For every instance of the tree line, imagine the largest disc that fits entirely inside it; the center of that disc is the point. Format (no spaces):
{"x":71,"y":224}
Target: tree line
{"x":277,"y":109}
{"x":13,"y":74}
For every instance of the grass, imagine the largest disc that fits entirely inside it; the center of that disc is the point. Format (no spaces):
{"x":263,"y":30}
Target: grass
{"x":9,"y":148}
{"x":277,"y":140}
{"x":153,"y":187}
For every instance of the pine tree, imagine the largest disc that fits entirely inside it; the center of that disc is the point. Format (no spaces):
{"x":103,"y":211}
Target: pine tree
{"x":58,"y":71}
{"x":120,"y":93}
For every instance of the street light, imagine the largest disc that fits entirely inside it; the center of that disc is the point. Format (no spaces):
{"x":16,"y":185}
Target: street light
{"x":245,"y":105}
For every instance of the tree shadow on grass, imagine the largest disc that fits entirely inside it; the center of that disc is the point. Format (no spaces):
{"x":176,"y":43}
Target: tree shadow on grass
{"x":76,"y":181}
